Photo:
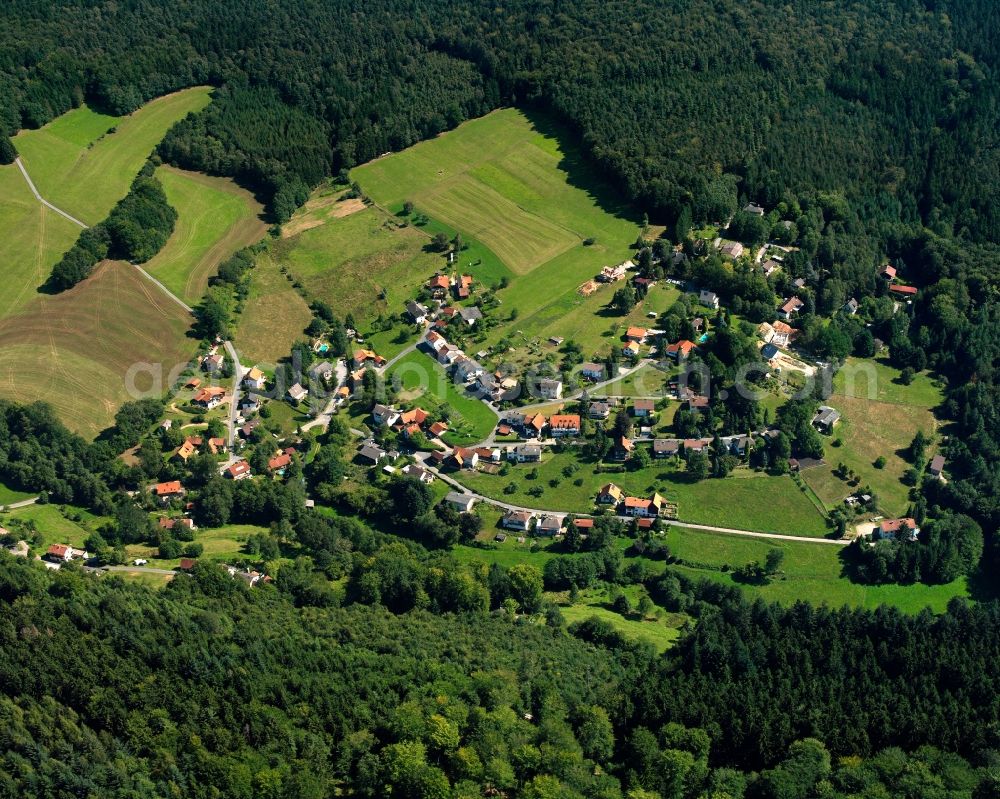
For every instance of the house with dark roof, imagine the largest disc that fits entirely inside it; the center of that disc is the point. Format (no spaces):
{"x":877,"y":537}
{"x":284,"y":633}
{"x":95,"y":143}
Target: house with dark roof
{"x":826,"y":419}
{"x":592,"y":371}
{"x":666,"y":447}
{"x":518,"y":520}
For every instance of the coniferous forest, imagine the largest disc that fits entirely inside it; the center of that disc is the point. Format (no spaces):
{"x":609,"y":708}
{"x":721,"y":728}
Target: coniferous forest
{"x":874,"y":124}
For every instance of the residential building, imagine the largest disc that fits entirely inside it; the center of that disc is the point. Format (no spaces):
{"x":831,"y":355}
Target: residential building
{"x":321,"y":371}
{"x":643,"y":408}
{"x":416,"y":472}
{"x":696,"y":445}
{"x":696,"y":403}
{"x":238,"y":471}
{"x":525,"y":453}
{"x":666,"y":447}
{"x":791,"y":307}
{"x":471,"y":315}
{"x":905,"y":291}
{"x":438,"y":285}
{"x":583,"y":524}
{"x":210,"y":397}
{"x":592,"y":371}
{"x":437,"y":429}
{"x":936,"y":469}
{"x":681,"y":350}
{"x":213,"y":363}
{"x":548,"y":525}
{"x":384,"y":415}
{"x":887,"y":273}
{"x":783,"y":334}
{"x":254,"y":380}
{"x":851,"y":306}
{"x":732,"y":249}
{"x":281,"y":461}
{"x":631,"y":349}
{"x":564,"y":424}
{"x":769,"y":267}
{"x":169,"y":491}
{"x":638,"y":506}
{"x":371,"y":453}
{"x":464,"y":458}
{"x":599,"y":410}
{"x":550,"y":388}
{"x":624,"y":447}
{"x":709,"y":299}
{"x":609,"y":494}
{"x":297,"y":393}
{"x":768,"y":352}
{"x":463,"y":503}
{"x":637,"y":334}
{"x":418,"y":313}
{"x":753,"y":208}
{"x":518,"y":520}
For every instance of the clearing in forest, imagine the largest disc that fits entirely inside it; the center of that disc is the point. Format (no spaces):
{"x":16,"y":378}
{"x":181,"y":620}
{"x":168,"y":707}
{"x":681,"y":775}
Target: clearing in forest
{"x":215,"y":218}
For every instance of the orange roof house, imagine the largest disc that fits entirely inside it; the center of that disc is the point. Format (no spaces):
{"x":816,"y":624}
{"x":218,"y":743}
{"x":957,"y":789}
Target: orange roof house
{"x":417,"y":416}
{"x":636,"y":334}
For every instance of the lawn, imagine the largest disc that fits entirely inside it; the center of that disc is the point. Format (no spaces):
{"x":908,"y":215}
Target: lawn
{"x":876,"y":379}
{"x":868,"y":430}
{"x":744,"y":500}
{"x":54,"y":524}
{"x":221,"y":544}
{"x":89,"y":349}
{"x":82,"y":168}
{"x":810,"y":572}
{"x":215,"y":218}
{"x":274,"y":317}
{"x":423,"y":380}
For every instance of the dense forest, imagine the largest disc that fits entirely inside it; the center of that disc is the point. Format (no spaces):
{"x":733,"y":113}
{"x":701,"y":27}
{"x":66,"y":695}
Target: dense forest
{"x":210,"y":689}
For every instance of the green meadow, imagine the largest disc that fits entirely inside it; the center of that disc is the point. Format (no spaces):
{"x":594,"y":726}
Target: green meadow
{"x":215,"y":217}
{"x":79,"y":165}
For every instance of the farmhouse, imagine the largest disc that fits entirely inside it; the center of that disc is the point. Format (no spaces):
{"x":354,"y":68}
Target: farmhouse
{"x":63,"y":553}
{"x":826,"y":418}
{"x":415,"y":472}
{"x":438,"y":285}
{"x":463,"y":458}
{"x":470,"y":315}
{"x":463,"y":503}
{"x":895,"y":529}
{"x":887,"y":273}
{"x":612,"y":274}
{"x":564,"y":424}
{"x":167,"y":492}
{"x":637,"y":506}
{"x":238,"y":471}
{"x":254,"y":380}
{"x":592,"y":371}
{"x":518,"y":520}
{"x":637,"y":334}
{"x":463,"y":286}
{"x":437,"y":429}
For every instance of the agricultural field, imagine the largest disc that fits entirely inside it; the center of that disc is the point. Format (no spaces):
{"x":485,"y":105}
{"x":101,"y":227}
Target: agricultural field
{"x":512,"y":186}
{"x":745,"y":500}
{"x":35,"y":237}
{"x":873,"y":428}
{"x":78,"y":164}
{"x":75,"y":349}
{"x":810,"y":572}
{"x":423,"y":380}
{"x":215,"y":218}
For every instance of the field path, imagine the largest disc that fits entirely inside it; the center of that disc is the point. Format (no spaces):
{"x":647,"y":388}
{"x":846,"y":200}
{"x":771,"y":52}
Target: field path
{"x":41,"y":199}
{"x":164,"y":289}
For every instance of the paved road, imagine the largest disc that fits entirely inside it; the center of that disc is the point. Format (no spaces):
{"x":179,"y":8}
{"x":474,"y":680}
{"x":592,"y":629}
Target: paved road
{"x":563,"y":513}
{"x":42,"y":200}
{"x":234,"y":402}
{"x":20,"y":504}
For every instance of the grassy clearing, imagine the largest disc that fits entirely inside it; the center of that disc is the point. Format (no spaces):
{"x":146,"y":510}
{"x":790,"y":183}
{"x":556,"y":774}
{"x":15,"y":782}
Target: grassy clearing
{"x":811,"y":572}
{"x":57,"y":524}
{"x":215,"y":218}
{"x":75,"y":349}
{"x":84,"y":172}
{"x":221,"y":544}
{"x":660,"y":632}
{"x":34,"y":240}
{"x":744,"y":500}
{"x":864,"y":378}
{"x":867,"y":431}
{"x":8,"y":495}
{"x":273,"y":318}
{"x":423,"y":380}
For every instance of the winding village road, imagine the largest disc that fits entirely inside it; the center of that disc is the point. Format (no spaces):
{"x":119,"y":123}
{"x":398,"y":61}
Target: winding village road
{"x":323,"y":419}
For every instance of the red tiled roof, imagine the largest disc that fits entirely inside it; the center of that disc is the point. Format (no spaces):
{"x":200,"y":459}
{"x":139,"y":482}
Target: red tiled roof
{"x":171,"y":487}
